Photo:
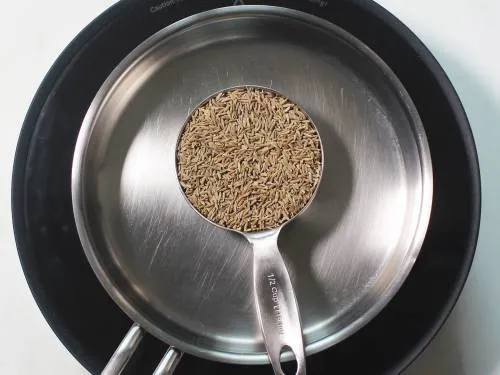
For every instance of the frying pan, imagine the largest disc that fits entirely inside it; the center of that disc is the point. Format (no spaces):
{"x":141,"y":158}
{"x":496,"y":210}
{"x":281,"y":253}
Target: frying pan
{"x":187,"y":282}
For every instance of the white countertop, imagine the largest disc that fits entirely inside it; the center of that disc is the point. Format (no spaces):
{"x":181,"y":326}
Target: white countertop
{"x":463,"y":35}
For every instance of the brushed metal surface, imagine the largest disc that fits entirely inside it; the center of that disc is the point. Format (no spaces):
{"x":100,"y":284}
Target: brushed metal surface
{"x":189,"y":282}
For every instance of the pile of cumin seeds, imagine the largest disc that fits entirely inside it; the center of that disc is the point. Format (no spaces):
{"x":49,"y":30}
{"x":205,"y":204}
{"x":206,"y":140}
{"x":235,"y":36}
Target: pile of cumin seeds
{"x":249,"y":159}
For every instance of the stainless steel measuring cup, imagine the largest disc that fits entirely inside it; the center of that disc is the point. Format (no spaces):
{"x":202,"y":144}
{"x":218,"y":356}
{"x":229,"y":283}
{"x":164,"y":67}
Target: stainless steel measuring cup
{"x":274,"y":296}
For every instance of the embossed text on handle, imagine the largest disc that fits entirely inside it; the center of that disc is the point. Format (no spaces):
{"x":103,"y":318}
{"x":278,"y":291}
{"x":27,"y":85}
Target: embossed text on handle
{"x":273,"y":285}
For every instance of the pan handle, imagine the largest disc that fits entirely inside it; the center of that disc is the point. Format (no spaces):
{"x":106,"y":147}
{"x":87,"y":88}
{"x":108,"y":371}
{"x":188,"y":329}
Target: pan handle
{"x":169,"y":362}
{"x":126,"y":349}
{"x":122,"y":354}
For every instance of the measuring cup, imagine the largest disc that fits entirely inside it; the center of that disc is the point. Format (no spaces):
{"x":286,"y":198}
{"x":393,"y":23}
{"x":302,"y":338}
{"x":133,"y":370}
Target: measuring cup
{"x":277,"y":309}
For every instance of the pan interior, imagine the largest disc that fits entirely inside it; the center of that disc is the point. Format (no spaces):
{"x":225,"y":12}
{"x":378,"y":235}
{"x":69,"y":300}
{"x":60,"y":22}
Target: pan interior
{"x":189,"y":282}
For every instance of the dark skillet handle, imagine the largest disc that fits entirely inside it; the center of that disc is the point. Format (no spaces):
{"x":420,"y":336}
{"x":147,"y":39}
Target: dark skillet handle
{"x":126,"y":349}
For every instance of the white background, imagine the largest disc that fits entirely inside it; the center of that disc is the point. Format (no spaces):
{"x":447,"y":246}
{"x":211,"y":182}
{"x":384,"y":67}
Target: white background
{"x":465,"y":37}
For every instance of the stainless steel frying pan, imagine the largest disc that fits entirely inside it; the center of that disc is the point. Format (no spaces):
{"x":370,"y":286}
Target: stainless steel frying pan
{"x":188,"y":282}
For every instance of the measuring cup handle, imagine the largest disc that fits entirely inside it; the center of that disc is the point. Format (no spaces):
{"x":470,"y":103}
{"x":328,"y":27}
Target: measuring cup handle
{"x":277,"y":307}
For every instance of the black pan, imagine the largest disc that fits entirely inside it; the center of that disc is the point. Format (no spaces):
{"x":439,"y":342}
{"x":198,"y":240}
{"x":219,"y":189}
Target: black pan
{"x":75,"y":304}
